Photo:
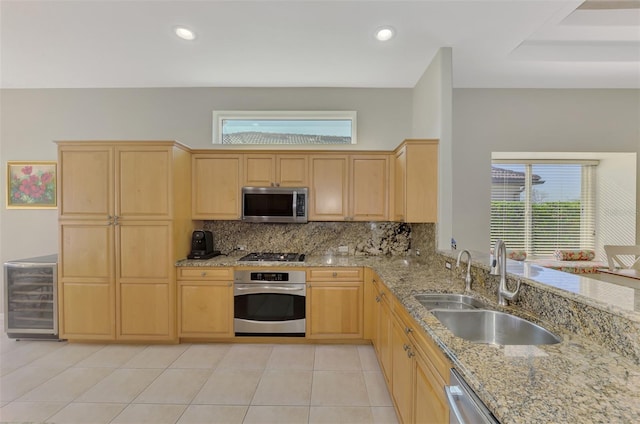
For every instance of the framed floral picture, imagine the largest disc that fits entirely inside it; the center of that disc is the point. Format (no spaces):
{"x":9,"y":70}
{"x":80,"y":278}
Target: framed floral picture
{"x":31,"y":185}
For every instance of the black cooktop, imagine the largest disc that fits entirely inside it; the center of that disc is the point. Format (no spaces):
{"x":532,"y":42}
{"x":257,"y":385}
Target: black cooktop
{"x":273,"y":257}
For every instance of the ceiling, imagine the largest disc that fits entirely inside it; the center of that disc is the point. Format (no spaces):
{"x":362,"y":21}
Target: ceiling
{"x":267,"y":43}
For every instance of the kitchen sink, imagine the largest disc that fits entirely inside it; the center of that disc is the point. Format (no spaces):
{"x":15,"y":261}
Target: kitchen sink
{"x":493,"y":327}
{"x":449,"y":301}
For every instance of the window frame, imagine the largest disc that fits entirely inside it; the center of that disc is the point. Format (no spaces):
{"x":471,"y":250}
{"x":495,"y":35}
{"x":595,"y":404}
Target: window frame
{"x":321,"y":115}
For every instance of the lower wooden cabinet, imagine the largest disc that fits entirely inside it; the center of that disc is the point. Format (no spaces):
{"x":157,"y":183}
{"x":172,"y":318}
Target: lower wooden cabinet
{"x":402,"y":373}
{"x":414,"y":368}
{"x":146,"y":311}
{"x":429,"y":401}
{"x":335,"y":303}
{"x":205,"y":302}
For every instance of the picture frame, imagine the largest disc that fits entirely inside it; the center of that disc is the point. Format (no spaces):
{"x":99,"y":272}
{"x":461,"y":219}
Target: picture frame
{"x":32,"y":185}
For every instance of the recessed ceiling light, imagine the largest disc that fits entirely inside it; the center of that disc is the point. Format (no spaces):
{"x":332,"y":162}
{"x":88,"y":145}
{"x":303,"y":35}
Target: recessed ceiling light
{"x":385,"y":33}
{"x":185,"y":33}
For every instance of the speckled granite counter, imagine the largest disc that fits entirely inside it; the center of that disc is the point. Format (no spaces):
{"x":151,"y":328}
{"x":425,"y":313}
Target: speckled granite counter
{"x":575,"y":381}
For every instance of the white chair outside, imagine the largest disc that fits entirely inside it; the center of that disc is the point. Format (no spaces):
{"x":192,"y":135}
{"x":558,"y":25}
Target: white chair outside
{"x":625,"y":257}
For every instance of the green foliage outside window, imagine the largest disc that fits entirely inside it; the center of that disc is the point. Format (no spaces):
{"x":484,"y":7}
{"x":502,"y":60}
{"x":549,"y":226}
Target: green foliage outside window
{"x":555,"y":225}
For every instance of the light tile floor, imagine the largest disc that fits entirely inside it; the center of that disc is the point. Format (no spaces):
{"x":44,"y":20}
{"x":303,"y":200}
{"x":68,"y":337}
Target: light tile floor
{"x":59,"y":382}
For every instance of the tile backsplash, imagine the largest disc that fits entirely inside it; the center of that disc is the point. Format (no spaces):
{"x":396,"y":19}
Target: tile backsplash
{"x":317,"y":238}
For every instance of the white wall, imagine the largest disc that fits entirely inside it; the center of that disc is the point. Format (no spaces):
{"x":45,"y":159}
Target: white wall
{"x":433,"y":118}
{"x":30,"y":120}
{"x":524,"y":120}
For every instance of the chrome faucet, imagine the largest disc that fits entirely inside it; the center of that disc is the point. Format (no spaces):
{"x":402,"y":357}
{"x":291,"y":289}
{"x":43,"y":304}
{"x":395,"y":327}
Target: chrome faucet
{"x":467,"y":278}
{"x":499,"y":267}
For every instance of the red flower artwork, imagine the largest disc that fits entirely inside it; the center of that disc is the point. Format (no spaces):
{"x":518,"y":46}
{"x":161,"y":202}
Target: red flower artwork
{"x":32,"y":185}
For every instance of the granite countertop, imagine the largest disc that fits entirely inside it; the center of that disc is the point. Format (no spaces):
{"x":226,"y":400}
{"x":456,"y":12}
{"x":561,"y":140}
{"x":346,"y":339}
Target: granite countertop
{"x":573,"y":381}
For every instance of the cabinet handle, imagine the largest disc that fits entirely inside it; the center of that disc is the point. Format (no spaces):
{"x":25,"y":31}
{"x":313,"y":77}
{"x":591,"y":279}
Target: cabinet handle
{"x":410,"y":354}
{"x":405,"y":347}
{"x":203,"y":274}
{"x":335,"y":274}
{"x":408,"y":330}
{"x":115,"y":220}
{"x":378,"y":299}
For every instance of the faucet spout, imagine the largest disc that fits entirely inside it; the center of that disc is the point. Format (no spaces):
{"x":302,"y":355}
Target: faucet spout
{"x":467,"y":278}
{"x":504,"y":294}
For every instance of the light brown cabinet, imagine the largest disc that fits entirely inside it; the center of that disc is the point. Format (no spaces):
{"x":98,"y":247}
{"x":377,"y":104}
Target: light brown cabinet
{"x":216,"y":185}
{"x":205,"y":302}
{"x":414,"y":368}
{"x":335,"y":303}
{"x":415,"y":179}
{"x":369,"y":190}
{"x":276,"y":170}
{"x":349,"y":187}
{"x":383,"y":329}
{"x":420,"y":372}
{"x":329,"y":195}
{"x":402,"y":371}
{"x":121,"y":228}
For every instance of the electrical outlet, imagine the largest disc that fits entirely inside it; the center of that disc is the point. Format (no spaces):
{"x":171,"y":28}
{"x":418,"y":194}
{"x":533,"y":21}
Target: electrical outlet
{"x":343,"y":249}
{"x":241,"y":247}
{"x":447,"y":265}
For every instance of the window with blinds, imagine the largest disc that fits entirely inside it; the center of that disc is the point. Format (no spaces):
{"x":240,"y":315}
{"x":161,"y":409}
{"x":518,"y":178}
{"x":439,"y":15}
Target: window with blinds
{"x":543,"y":205}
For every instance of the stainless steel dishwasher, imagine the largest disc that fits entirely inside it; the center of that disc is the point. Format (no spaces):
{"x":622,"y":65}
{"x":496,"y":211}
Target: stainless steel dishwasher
{"x":465,"y":406}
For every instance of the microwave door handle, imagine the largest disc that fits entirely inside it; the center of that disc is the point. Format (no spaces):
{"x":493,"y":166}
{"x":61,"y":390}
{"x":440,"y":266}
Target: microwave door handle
{"x":295,"y":203}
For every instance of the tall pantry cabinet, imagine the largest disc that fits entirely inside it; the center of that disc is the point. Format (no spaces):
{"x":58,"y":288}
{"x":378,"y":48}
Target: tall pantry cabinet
{"x":124,"y":220}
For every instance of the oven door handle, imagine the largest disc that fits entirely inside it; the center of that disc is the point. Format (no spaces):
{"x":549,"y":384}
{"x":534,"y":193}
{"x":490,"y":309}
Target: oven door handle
{"x":268,"y":288}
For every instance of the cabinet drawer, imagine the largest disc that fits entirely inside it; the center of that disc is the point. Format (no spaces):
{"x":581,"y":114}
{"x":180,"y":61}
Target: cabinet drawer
{"x":335,"y":274}
{"x":204,"y":273}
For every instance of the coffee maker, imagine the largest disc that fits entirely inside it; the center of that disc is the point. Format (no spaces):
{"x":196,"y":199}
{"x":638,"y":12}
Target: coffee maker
{"x":202,"y":245}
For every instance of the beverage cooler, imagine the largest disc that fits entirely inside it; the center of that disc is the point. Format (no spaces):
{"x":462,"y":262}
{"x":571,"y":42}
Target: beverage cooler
{"x":30,"y":307}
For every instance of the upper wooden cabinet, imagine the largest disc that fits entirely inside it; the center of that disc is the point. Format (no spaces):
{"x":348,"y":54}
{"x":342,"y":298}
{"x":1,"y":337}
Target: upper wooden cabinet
{"x":216,"y":184}
{"x":369,"y":195}
{"x":329,"y":187}
{"x":349,"y":187}
{"x":115,"y":180}
{"x":416,"y":181}
{"x":275,"y":170}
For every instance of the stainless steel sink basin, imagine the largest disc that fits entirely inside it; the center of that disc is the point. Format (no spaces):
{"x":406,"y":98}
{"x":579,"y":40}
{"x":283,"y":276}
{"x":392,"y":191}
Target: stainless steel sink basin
{"x":483,"y":326}
{"x":449,"y":301}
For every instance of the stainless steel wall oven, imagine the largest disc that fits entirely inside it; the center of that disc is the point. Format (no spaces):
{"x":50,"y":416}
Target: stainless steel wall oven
{"x":269,"y":303}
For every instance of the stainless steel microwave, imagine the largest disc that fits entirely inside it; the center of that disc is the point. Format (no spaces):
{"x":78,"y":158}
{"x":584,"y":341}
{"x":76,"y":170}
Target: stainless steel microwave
{"x":275,"y":204}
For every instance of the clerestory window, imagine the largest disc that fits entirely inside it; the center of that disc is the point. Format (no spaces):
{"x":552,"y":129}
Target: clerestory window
{"x":284,"y":127}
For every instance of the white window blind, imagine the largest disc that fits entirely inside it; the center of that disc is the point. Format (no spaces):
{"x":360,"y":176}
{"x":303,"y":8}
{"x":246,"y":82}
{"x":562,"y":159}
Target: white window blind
{"x":541,"y":206}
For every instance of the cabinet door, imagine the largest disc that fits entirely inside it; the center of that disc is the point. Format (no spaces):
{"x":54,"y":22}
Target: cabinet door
{"x":85,"y":280}
{"x":87,"y":311}
{"x":206,"y":309}
{"x":144,"y":281}
{"x":216,"y":185}
{"x":143,"y":182}
{"x":85,"y":187}
{"x":421,"y":181}
{"x":143,"y":252}
{"x":145,"y":312}
{"x":292,"y":170}
{"x":369,"y":187}
{"x":259,"y":170}
{"x":334,"y":310}
{"x":402,"y":372}
{"x":329,"y":188}
{"x":430,"y":404}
